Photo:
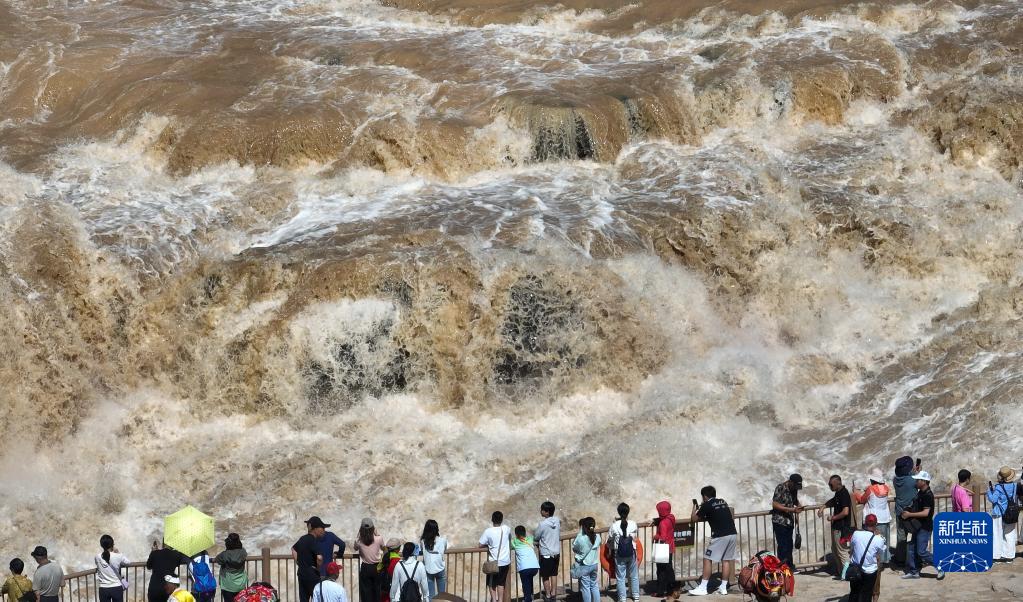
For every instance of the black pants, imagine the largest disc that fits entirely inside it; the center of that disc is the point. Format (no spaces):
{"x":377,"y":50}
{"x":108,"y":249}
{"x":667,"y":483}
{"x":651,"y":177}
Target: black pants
{"x":227,"y":596}
{"x":307,"y":580}
{"x":783,"y":541}
{"x":49,"y":598}
{"x":862,"y":590}
{"x":369,"y":583}
{"x":665,"y":578}
{"x":157,"y":595}
{"x":111,"y":594}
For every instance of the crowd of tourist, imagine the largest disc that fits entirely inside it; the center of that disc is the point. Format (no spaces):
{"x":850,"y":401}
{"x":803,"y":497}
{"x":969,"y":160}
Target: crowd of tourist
{"x":393,"y":570}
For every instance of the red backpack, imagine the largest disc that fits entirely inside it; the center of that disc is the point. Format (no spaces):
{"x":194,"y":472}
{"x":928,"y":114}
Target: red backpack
{"x":766,"y":578}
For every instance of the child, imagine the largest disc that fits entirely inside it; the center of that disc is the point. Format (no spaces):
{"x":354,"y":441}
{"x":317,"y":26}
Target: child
{"x":391,"y":558}
{"x":525,"y":560}
{"x":17,"y":585}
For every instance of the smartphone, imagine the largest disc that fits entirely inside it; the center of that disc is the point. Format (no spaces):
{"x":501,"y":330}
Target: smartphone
{"x":694,"y":502}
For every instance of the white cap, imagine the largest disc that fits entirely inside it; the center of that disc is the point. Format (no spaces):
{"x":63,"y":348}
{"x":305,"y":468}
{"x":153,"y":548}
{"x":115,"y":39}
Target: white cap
{"x":172,"y":579}
{"x":923,"y":475}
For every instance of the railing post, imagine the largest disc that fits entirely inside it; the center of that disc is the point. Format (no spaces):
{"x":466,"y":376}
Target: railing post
{"x":265,"y":573}
{"x":976,"y":502}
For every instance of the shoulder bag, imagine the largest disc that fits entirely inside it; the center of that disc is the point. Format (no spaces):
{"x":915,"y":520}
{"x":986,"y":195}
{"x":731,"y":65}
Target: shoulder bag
{"x":854,"y":572}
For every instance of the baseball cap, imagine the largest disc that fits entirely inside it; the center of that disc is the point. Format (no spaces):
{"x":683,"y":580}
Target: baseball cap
{"x":923,"y":475}
{"x":39,"y":552}
{"x":870,"y":521}
{"x":172,"y":579}
{"x":367,"y":523}
{"x":797,"y":479}
{"x":333,"y":568}
{"x":314,"y":522}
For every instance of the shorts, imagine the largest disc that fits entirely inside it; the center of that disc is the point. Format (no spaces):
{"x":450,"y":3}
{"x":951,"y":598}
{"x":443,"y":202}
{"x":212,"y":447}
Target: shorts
{"x":500,"y":578}
{"x":549,"y":566}
{"x":722,"y":548}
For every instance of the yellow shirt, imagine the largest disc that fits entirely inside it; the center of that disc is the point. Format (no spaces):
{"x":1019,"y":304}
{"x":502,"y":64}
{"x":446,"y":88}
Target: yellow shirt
{"x":16,"y":586}
{"x":183,"y":595}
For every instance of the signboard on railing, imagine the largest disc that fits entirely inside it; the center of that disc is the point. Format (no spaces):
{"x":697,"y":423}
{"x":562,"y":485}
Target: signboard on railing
{"x":963,"y":542}
{"x":685,"y":535}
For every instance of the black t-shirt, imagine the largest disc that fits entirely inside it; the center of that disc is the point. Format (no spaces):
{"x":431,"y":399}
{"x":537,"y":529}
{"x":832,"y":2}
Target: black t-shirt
{"x":718,"y":516}
{"x":841,"y":501}
{"x":924,"y":499}
{"x":306,"y":550}
{"x":162,"y":563}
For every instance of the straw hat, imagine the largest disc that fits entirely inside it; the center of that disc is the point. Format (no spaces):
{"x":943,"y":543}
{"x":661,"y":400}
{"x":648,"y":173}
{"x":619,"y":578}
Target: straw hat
{"x":876,"y":475}
{"x":1006,"y":474}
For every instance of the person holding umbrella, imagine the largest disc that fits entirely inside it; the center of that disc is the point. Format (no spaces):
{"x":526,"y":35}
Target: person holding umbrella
{"x":185,"y":533}
{"x":308,"y":557}
{"x":163,"y":562}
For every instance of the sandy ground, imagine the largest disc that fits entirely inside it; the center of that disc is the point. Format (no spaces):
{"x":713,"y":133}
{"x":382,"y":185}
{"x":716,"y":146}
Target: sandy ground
{"x":1003,"y":582}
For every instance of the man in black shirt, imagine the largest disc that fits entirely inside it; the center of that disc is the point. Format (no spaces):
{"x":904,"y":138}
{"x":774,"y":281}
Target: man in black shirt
{"x":723,"y":540}
{"x":922,"y":512}
{"x":841,"y":522}
{"x":162,"y":562}
{"x":308,"y":557}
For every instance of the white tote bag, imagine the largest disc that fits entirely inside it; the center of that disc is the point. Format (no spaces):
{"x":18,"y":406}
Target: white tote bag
{"x":662,"y":553}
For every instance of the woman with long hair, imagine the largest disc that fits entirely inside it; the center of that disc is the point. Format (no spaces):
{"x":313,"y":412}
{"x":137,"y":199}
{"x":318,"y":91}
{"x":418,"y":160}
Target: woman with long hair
{"x":370,"y":547}
{"x":621,"y":537}
{"x":109,"y":564}
{"x":434,"y":547}
{"x":585,"y":550}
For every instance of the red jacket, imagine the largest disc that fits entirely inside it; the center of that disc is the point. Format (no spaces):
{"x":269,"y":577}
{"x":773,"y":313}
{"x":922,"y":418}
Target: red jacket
{"x":665,"y":532}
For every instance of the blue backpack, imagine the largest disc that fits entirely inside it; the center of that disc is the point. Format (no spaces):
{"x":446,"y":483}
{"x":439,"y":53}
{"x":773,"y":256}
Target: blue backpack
{"x":202,"y":577}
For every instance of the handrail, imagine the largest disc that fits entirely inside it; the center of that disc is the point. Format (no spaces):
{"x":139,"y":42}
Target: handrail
{"x":464,"y":564}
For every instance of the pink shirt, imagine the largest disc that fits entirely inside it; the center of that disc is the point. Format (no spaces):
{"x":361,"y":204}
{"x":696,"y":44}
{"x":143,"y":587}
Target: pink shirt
{"x":962,"y":500}
{"x":372,"y":553}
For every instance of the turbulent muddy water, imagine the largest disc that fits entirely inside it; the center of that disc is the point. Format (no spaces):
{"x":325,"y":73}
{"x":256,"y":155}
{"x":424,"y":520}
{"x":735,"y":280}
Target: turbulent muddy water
{"x":425,"y":259}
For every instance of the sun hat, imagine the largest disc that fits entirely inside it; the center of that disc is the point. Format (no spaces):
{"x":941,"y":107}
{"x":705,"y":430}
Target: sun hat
{"x":39,"y":552}
{"x":393,"y":543}
{"x":876,"y":475}
{"x":923,"y":475}
{"x":1006,"y":474}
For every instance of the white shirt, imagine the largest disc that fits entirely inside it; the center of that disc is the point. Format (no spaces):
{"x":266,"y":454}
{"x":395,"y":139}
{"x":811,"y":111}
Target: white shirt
{"x":433,"y":560}
{"x":332,"y":592}
{"x":109,"y":574}
{"x":415,"y":571}
{"x":878,"y":506}
{"x":498,"y":546}
{"x":859,"y":544}
{"x":615,"y":531}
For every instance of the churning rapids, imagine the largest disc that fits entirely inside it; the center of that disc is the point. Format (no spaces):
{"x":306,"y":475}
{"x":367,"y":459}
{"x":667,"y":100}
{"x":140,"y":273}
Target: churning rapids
{"x":428,"y":258}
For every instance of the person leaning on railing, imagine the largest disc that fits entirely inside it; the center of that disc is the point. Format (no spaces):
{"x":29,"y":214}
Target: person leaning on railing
{"x":785,"y":511}
{"x":48,"y":578}
{"x":233,"y":578}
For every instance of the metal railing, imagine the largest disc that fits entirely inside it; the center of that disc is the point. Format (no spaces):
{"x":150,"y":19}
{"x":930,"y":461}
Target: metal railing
{"x":464,"y":565}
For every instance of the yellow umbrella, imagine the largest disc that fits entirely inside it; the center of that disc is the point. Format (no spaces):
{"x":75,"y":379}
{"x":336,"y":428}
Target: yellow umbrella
{"x":188,"y":531}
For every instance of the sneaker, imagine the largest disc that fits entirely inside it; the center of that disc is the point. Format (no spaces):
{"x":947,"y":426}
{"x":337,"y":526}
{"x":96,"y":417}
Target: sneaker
{"x":722,"y":590}
{"x":941,"y":574}
{"x":911,"y":576}
{"x":699,"y":591}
